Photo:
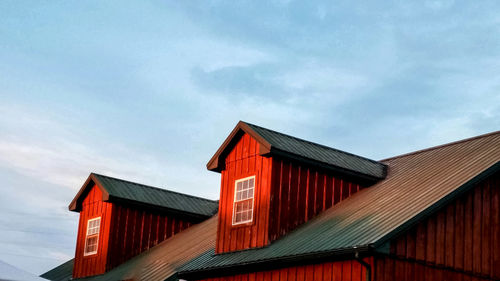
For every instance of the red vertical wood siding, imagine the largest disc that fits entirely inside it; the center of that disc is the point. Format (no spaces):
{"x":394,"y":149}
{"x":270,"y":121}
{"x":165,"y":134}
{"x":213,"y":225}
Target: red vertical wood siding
{"x":92,"y":207}
{"x":349,"y":270}
{"x":125,"y":232}
{"x":244,"y":161}
{"x":300,"y":192}
{"x":287,"y":194}
{"x":134,"y":231}
{"x":460,"y":241}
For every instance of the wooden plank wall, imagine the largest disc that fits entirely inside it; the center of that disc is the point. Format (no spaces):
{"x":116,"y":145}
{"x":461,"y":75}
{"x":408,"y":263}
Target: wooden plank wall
{"x":287,"y":194}
{"x":300,"y":193}
{"x":134,"y":231}
{"x":349,"y":270}
{"x":463,"y":237}
{"x":241,"y":162}
{"x":92,"y":207}
{"x":125,"y":232}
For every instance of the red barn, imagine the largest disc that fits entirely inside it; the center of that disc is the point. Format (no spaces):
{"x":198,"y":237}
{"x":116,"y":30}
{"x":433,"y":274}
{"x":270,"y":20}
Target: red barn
{"x":293,"y":210}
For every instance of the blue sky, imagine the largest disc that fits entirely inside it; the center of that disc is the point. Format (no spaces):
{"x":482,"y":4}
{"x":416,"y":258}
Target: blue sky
{"x":148,"y":90}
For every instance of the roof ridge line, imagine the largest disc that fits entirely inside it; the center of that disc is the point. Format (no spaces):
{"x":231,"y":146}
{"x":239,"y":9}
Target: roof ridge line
{"x":441,"y":146}
{"x":318,"y":144}
{"x":157,"y":188}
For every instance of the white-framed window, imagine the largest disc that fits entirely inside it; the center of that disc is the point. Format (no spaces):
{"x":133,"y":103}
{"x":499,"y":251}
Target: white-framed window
{"x":244,"y":190}
{"x":92,"y":237}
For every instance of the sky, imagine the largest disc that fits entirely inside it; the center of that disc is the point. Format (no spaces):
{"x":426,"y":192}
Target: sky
{"x":148,"y":90}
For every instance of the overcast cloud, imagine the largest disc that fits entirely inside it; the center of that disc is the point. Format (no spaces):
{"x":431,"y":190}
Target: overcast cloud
{"x":148,"y":90}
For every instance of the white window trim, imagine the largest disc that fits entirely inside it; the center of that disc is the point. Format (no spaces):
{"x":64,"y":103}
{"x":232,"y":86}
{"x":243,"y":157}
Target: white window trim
{"x":234,"y":200}
{"x":85,"y":253}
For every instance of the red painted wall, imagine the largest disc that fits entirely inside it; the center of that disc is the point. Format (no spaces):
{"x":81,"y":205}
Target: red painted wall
{"x":287,"y":194}
{"x":125,"y":232}
{"x":349,"y":270}
{"x":300,"y":192}
{"x":92,"y":207}
{"x":134,"y":231}
{"x":462,"y":239}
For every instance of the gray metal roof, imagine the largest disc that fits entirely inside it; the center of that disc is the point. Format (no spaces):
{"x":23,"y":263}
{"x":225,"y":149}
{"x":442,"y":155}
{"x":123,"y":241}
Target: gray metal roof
{"x":321,"y":153}
{"x":157,"y":264}
{"x":416,"y":184}
{"x":62,"y":272}
{"x":118,"y":189}
{"x":275,"y":143}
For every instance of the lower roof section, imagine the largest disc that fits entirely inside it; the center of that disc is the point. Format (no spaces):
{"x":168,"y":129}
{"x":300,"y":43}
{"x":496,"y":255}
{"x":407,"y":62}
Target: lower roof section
{"x":159,"y":263}
{"x":417,"y":184}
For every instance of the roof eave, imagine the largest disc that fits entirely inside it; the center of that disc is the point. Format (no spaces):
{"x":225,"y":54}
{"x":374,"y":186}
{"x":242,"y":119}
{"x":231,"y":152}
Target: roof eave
{"x":274,"y":263}
{"x":194,"y":216}
{"x":337,"y":169}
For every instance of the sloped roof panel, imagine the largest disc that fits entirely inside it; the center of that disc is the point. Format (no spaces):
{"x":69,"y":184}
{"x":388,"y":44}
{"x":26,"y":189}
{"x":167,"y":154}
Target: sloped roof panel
{"x":62,"y":272}
{"x":118,"y":189}
{"x":156,"y":196}
{"x":321,"y":153}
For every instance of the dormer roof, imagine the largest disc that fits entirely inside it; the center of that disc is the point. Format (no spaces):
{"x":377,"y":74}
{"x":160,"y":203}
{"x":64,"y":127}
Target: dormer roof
{"x":279,"y":144}
{"x":118,"y":190}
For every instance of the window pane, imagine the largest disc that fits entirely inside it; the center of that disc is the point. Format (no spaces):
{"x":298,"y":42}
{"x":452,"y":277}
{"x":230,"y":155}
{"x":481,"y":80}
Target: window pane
{"x":243,"y":205}
{"x":91,"y":244}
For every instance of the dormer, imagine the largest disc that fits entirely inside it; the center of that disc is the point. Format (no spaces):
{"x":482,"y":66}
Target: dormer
{"x":271,"y":183}
{"x":120,"y":219}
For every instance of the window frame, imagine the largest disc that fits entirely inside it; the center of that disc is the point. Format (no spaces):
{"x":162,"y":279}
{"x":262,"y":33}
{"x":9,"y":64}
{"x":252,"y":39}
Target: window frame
{"x":85,"y":253}
{"x":235,"y":201}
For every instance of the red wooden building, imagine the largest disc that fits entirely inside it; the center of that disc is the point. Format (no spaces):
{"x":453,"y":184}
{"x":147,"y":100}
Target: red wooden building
{"x":291,"y":209}
{"x":295,"y":210}
{"x":121,"y":219}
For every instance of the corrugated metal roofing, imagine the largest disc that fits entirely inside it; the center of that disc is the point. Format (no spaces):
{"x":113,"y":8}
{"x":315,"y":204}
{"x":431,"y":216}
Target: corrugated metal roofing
{"x":122,"y":189}
{"x":320,"y":153}
{"x":415,"y":183}
{"x":62,"y":272}
{"x":160,"y":262}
